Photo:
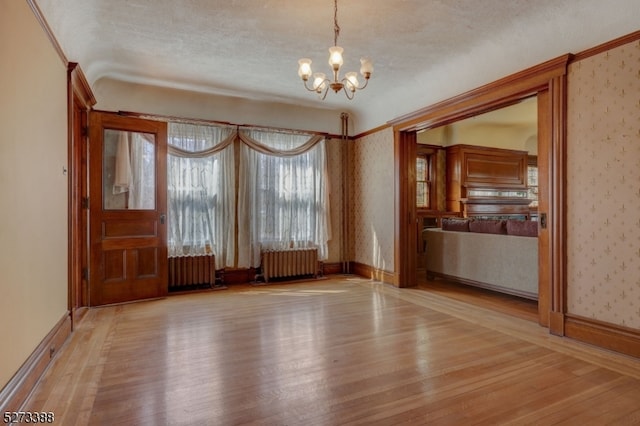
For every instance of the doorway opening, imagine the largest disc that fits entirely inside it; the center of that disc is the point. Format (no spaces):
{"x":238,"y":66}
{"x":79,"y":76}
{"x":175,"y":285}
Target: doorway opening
{"x":481,"y":169}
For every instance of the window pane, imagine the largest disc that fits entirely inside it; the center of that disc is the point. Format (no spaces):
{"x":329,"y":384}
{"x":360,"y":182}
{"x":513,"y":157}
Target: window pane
{"x":128,"y":171}
{"x":532,"y":181}
{"x":422,"y":182}
{"x":422,"y":189}
{"x":421,"y":169}
{"x":532,"y":172}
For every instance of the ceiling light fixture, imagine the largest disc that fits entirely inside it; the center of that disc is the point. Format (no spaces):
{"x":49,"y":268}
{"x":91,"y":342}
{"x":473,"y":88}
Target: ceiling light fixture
{"x":349,"y":83}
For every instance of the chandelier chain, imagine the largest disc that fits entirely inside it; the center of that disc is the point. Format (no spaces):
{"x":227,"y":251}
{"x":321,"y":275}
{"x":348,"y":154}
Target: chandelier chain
{"x":336,"y":27}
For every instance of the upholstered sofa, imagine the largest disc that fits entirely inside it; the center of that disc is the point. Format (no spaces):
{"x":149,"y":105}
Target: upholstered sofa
{"x":484,"y":253}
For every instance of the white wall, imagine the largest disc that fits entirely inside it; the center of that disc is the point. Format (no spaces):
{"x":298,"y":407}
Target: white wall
{"x":512,"y":127}
{"x":112,"y":95}
{"x":507,"y":136}
{"x":33,"y":188}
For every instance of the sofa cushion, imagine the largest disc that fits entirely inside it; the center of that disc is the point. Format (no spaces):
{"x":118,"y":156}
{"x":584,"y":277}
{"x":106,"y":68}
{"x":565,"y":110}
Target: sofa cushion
{"x":460,"y":225}
{"x":523,"y":228}
{"x":488,"y":226}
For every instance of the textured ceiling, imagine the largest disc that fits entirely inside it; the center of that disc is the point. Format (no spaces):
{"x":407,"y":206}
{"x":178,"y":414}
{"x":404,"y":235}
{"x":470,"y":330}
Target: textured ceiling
{"x":423,"y":50}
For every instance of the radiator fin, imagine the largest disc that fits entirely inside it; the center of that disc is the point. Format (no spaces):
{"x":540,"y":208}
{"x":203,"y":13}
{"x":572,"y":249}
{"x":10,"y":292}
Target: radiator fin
{"x":192,"y":270}
{"x":289,"y":263}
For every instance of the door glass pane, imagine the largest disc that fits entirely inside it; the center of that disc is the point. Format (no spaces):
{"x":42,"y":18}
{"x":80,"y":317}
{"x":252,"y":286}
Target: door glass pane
{"x":128,"y":171}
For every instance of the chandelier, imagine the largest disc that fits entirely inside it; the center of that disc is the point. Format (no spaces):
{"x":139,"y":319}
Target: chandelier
{"x":349,"y":83}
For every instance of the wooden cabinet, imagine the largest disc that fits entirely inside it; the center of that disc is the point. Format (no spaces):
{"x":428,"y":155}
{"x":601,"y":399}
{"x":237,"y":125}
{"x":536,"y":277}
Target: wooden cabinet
{"x":486,"y":181}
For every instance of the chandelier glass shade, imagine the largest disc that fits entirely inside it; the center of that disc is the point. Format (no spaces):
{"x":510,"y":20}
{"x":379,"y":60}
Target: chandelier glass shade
{"x":320,"y":83}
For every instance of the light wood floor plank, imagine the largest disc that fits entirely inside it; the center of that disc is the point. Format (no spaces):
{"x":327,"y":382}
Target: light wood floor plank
{"x":339,"y":351}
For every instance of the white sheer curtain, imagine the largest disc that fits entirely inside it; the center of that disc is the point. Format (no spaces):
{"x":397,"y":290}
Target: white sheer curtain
{"x":142,"y":190}
{"x":134,"y":171}
{"x":201,"y":191}
{"x":283,"y":194}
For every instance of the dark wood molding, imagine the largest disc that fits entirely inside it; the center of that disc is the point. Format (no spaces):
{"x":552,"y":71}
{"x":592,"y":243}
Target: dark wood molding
{"x":405,"y":236}
{"x":80,"y":100}
{"x":236,"y":276}
{"x":556,"y":323}
{"x":80,"y":86}
{"x":605,"y":335}
{"x":545,"y":253}
{"x":16,"y":391}
{"x":373,"y":273}
{"x":629,"y":38}
{"x":498,"y":94}
{"x":332,"y":268}
{"x":557,"y":208}
{"x":47,"y":29}
{"x":173,"y":118}
{"x":372,"y":131}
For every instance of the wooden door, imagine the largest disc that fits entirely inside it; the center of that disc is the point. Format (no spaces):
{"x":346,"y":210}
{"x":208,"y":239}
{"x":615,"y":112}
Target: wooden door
{"x":127,"y":203}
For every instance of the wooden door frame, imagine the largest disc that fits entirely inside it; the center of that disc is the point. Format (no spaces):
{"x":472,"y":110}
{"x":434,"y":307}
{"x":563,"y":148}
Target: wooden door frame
{"x":548,"y":82}
{"x":80,"y":100}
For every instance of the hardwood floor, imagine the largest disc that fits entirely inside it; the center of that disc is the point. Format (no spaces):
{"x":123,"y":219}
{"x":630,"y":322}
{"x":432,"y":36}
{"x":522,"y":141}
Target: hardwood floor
{"x":512,"y":305}
{"x":339,"y":351}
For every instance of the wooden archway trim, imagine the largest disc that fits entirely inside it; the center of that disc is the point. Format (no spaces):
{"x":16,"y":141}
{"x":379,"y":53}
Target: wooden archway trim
{"x":548,"y":80}
{"x":491,"y":96}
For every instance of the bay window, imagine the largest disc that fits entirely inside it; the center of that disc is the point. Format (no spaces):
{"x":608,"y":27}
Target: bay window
{"x":275,"y":191}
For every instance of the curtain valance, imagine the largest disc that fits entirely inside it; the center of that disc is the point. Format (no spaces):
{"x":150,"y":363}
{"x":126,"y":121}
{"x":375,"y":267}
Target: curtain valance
{"x":217,"y":138}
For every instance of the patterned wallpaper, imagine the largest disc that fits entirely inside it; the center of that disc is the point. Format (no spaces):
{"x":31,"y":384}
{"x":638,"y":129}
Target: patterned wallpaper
{"x":372,"y":200}
{"x":334,"y":166}
{"x":603,"y":186}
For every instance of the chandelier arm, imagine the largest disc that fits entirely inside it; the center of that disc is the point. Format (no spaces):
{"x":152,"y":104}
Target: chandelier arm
{"x":346,"y":83}
{"x":366,"y":81}
{"x":326,"y":90}
{"x":311,"y":89}
{"x":322,"y":94}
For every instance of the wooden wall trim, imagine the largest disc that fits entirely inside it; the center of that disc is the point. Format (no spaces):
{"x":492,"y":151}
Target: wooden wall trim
{"x":370,"y":272}
{"x":372,"y":131}
{"x":47,"y":29}
{"x":405,"y":210}
{"x":17,"y":390}
{"x":80,"y":86}
{"x":205,"y":122}
{"x":557,"y":209}
{"x":609,"y":336}
{"x":236,"y":276}
{"x":556,"y":323}
{"x":332,"y":268}
{"x":629,"y":38}
{"x":80,"y":100}
{"x":545,"y":253}
{"x":491,"y":96}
